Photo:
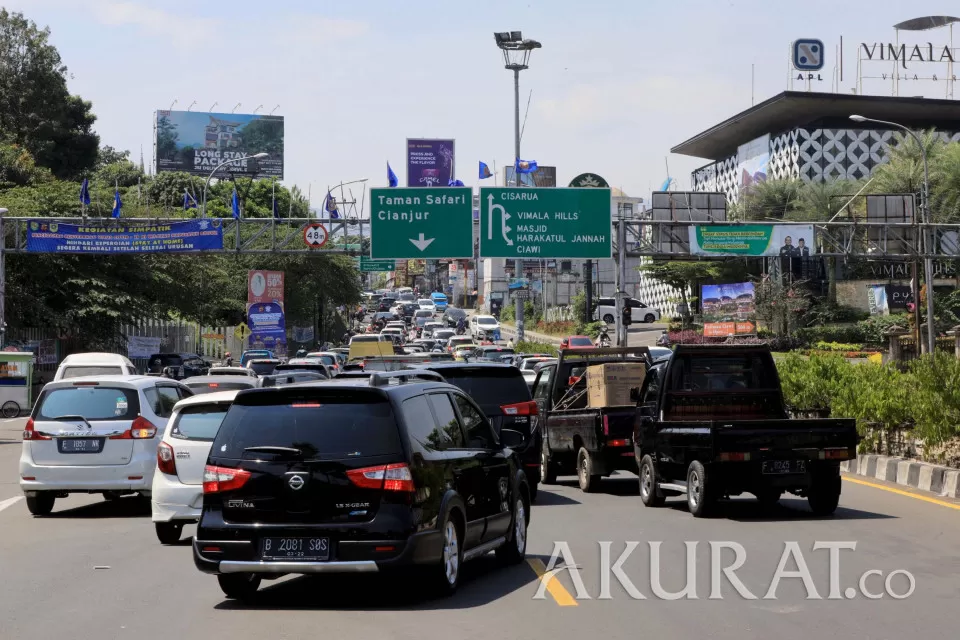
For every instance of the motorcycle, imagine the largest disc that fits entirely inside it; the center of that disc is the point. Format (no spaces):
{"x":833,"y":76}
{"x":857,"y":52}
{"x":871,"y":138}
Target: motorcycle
{"x":603,"y":340}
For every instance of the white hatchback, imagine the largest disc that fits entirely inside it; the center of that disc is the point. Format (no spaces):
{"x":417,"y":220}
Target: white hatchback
{"x":95,"y":435}
{"x":177,"y":496}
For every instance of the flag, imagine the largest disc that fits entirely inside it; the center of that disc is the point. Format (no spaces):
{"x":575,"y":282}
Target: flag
{"x":392,"y":177}
{"x":117,"y":204}
{"x":188,"y":201}
{"x":235,"y":204}
{"x":666,"y":184}
{"x":455,"y":183}
{"x":85,"y":193}
{"x":525,"y":166}
{"x":330,"y":205}
{"x":484,"y":170}
{"x":276,"y":210}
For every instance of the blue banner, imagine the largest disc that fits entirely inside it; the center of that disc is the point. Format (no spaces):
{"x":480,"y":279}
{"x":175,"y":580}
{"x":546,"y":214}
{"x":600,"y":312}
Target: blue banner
{"x":267,"y":326}
{"x":205,"y":234}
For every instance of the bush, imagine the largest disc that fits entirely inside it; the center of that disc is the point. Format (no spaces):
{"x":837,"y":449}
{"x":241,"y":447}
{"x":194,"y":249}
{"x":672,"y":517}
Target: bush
{"x":849,"y":333}
{"x":837,"y":346}
{"x":874,"y":327}
{"x":785,"y":343}
{"x":557,"y":328}
{"x":530,"y":346}
{"x":826,"y":312}
{"x":593,"y":329}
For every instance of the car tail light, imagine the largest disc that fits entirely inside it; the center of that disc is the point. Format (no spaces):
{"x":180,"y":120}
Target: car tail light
{"x":388,"y":477}
{"x":835,"y":454}
{"x":606,"y":425}
{"x":165,"y":459}
{"x":214,"y":385}
{"x":218,"y":479}
{"x":141,"y":429}
{"x":29,"y":433}
{"x":618,"y":443}
{"x":528,"y":408}
{"x":734,"y":457}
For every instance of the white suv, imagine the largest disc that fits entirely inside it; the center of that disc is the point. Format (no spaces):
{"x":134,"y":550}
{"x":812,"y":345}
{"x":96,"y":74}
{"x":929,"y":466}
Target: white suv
{"x":177,"y":496}
{"x":639,"y":312}
{"x":484,"y":327}
{"x":95,"y":435}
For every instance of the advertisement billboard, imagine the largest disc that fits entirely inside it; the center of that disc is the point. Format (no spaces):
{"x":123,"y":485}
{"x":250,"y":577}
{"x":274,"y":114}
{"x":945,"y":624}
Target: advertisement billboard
{"x":728,"y":310}
{"x":189,"y":236}
{"x":753,"y":159}
{"x":786,"y":241}
{"x":430,"y":163}
{"x":264,"y":286}
{"x":542,"y":177}
{"x":196,"y":142}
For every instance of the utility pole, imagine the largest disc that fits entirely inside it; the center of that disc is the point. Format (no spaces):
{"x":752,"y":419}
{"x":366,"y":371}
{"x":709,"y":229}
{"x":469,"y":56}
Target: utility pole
{"x":3,"y":281}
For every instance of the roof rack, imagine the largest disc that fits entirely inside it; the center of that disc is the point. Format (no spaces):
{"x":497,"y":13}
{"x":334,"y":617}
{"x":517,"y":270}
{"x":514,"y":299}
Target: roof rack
{"x":382,"y":378}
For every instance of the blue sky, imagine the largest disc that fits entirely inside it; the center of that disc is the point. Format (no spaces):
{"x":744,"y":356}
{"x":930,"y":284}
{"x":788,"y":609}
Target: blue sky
{"x":616,"y":84}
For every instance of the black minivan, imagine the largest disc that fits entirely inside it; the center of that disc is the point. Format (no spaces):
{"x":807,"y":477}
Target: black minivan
{"x":355,"y":476}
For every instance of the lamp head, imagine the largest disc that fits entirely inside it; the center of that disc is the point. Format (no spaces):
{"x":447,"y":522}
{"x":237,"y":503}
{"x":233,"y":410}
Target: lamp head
{"x":857,"y":118}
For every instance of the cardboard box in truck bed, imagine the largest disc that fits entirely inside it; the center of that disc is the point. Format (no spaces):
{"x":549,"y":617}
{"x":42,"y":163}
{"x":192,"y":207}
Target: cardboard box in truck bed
{"x":609,"y":384}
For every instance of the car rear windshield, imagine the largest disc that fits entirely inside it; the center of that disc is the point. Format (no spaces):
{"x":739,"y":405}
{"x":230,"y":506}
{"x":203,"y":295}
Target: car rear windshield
{"x":90,"y":402}
{"x":581,"y":342}
{"x":80,"y":372}
{"x":489,"y":387}
{"x":312,"y":368}
{"x":322,"y":427}
{"x":263,"y":368}
{"x":213,"y":387}
{"x":199,"y":423}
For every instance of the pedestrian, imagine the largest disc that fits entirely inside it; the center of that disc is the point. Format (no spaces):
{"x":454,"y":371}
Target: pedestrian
{"x":510,"y":343}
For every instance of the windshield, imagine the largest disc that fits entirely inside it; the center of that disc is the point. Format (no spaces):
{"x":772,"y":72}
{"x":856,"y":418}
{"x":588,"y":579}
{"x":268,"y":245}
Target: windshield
{"x":428,"y":303}
{"x":80,"y":372}
{"x":90,"y":402}
{"x":489,"y":320}
{"x":581,"y":342}
{"x":322,"y":428}
{"x":489,"y":387}
{"x":199,"y":422}
{"x":263,"y":368}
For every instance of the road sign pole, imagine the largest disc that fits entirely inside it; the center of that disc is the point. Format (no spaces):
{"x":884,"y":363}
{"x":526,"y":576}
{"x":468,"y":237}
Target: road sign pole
{"x":520,"y":304}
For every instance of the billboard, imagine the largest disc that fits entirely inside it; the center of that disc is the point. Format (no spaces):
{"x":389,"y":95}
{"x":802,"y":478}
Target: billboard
{"x":786,"y":241}
{"x":265,"y":313}
{"x":753,"y":159}
{"x":542,"y":177}
{"x":264,"y":286}
{"x":728,"y":310}
{"x":196,"y":142}
{"x":44,"y":236}
{"x":430,"y":163}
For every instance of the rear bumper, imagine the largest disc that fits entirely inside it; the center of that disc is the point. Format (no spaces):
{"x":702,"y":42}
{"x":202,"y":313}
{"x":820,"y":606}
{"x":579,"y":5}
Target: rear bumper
{"x":347,"y":556}
{"x":135,"y":476}
{"x":172,"y":500}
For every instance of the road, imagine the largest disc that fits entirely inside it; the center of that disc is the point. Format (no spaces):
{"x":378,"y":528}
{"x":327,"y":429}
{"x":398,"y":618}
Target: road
{"x":95,"y":570}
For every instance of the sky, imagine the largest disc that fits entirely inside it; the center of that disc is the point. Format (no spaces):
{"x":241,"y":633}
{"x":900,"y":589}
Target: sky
{"x":616,"y":84}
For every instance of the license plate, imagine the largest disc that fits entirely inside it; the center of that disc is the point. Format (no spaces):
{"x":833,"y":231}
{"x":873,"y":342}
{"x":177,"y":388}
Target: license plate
{"x":295,"y":548}
{"x":80,"y":445}
{"x":777,"y":467}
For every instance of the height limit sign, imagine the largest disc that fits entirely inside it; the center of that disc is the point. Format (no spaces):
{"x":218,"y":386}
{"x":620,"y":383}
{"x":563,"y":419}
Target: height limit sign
{"x":538,"y":223}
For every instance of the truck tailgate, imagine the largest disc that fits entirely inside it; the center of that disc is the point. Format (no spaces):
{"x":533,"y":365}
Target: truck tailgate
{"x":595,"y":427}
{"x":783,"y":435}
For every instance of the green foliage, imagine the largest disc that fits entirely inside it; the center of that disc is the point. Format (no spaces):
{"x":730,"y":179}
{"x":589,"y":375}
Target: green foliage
{"x":837,"y":346}
{"x":593,"y":329}
{"x":848,"y":333}
{"x":874,"y":327}
{"x":18,"y":168}
{"x":825,"y":311}
{"x":531,"y":346}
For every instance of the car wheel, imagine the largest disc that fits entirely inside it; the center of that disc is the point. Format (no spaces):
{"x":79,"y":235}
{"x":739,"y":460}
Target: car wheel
{"x":648,"y":484}
{"x":589,"y":481}
{"x":649,"y":318}
{"x":168,"y":532}
{"x":10,"y":409}
{"x":700,"y":494}
{"x":515,"y":549}
{"x":824,"y":495}
{"x":41,"y":503}
{"x":239,"y":586}
{"x":446,"y":575}
{"x":608,"y":318}
{"x":548,"y":470}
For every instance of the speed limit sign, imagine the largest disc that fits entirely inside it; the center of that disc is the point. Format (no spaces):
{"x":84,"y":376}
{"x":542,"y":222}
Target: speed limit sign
{"x":315,"y":235}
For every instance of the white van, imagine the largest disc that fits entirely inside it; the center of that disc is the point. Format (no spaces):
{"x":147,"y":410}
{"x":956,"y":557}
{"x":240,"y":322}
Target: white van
{"x":79,"y":365}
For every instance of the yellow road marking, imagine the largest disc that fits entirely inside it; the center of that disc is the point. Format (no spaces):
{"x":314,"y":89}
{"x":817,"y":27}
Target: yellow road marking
{"x":900,"y":492}
{"x":554,"y":588}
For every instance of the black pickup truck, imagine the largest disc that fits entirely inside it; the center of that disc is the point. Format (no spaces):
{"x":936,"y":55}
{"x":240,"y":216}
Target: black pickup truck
{"x":591,"y":442}
{"x":712,"y":424}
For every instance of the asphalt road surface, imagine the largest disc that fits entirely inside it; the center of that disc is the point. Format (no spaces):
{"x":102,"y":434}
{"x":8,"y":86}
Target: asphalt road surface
{"x":95,"y":570}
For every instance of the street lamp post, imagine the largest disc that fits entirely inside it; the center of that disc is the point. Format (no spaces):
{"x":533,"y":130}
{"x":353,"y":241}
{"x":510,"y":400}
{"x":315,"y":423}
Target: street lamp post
{"x":220,"y":166}
{"x":927,"y":235}
{"x":516,"y":58}
{"x":3,"y":281}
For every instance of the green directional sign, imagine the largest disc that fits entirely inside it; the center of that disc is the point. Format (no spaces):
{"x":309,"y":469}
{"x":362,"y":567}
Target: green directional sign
{"x":537,"y":223}
{"x":367,"y":264}
{"x":415,"y":222}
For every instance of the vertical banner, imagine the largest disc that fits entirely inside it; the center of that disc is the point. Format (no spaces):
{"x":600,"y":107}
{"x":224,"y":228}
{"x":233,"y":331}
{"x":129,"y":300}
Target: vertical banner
{"x":728,"y":310}
{"x":265,"y":312}
{"x":430,"y":163}
{"x":877,"y":300}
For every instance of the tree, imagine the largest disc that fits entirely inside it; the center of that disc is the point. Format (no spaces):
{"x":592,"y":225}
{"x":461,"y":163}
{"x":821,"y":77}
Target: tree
{"x":18,"y":168}
{"x":776,"y":199}
{"x":37,"y":111}
{"x":683,"y":276}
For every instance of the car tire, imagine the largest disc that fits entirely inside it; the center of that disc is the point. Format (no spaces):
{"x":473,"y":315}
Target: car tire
{"x":824,"y":495}
{"x":608,"y":318}
{"x":701,"y":498}
{"x":534,"y":489}
{"x":10,"y":409}
{"x":515,"y":549}
{"x":41,"y":503}
{"x":168,"y":532}
{"x":649,"y":318}
{"x":589,"y":481}
{"x":444,"y":577}
{"x":548,"y":469}
{"x":239,"y":586}
{"x":649,"y":494}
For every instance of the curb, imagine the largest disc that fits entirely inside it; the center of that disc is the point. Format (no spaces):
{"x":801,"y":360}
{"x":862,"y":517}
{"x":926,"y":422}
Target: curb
{"x":942,"y":481}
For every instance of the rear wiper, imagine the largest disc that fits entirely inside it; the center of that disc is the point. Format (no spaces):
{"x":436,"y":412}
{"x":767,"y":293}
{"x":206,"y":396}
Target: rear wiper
{"x":267,"y":449}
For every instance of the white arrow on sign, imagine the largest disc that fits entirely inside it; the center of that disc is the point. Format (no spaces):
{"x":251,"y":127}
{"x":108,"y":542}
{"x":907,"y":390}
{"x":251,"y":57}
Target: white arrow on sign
{"x":422,"y":243}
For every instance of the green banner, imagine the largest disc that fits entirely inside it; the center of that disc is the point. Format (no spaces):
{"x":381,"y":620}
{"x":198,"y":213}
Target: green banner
{"x":788,"y":241}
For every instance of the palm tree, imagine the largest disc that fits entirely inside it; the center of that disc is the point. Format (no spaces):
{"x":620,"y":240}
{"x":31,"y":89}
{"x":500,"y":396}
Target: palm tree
{"x":945,"y":185}
{"x":777,"y":199}
{"x":903,"y":170}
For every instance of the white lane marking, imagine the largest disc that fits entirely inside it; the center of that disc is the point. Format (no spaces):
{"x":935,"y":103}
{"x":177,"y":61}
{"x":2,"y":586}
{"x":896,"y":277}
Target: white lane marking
{"x":13,"y":419}
{"x":10,"y":502}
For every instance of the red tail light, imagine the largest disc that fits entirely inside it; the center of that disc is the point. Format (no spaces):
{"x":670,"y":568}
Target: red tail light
{"x":618,"y":443}
{"x":217,"y":479}
{"x":165,"y":459}
{"x":214,"y":385}
{"x":141,"y":429}
{"x":30,"y":434}
{"x":388,"y":477}
{"x":606,"y":425}
{"x":528,"y":408}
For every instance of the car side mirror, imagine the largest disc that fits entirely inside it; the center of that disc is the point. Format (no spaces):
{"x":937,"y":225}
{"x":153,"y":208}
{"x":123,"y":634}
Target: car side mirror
{"x":512,"y":439}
